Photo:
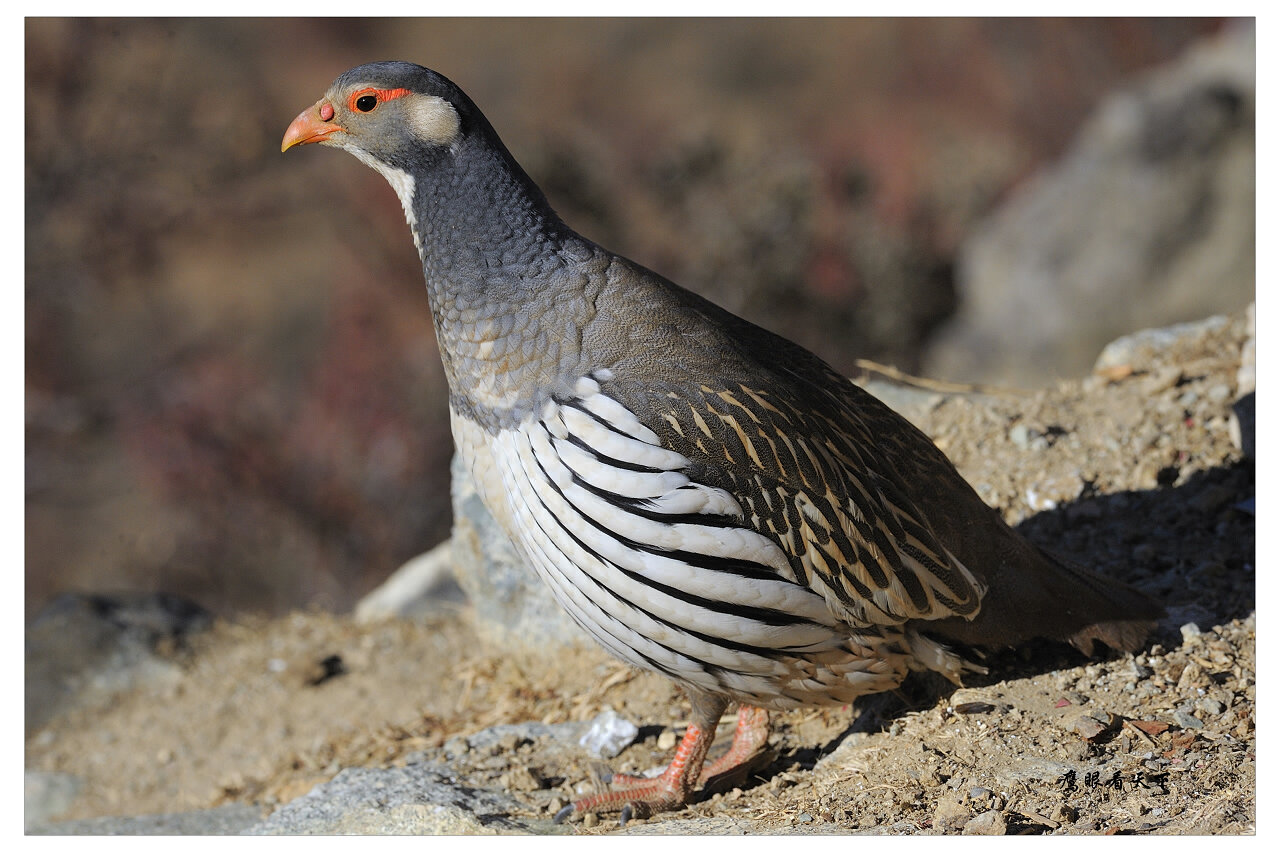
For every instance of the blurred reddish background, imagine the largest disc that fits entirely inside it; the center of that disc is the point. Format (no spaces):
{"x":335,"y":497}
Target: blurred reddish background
{"x":232,"y":387}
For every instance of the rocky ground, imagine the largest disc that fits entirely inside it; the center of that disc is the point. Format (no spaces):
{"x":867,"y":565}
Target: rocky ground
{"x":320,"y":723}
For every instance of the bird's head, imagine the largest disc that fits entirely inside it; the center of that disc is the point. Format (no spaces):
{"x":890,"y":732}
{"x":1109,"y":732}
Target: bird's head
{"x":391,"y":112}
{"x":464,"y":196}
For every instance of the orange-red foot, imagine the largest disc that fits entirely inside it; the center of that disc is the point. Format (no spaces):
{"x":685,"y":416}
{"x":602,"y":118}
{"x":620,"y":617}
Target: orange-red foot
{"x":641,"y":797}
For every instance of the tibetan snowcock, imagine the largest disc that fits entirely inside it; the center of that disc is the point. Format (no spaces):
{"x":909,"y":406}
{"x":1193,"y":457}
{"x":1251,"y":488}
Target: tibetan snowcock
{"x":708,"y":500}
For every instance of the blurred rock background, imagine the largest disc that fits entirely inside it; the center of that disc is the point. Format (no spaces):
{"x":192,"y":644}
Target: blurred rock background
{"x":232,"y":387}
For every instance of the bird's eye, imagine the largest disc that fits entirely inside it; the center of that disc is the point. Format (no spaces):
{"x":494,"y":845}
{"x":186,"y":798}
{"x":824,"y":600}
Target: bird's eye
{"x":366,"y":103}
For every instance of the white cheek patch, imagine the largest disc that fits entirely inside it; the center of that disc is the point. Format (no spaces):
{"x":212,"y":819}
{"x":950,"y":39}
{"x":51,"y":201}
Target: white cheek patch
{"x":432,"y":119}
{"x":401,"y":181}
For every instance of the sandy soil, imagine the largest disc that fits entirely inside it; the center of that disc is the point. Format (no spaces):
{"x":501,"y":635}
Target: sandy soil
{"x":1134,"y":472}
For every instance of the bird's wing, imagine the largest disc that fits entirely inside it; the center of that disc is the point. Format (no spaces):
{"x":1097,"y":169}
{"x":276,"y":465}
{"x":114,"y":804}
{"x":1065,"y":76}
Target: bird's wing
{"x":814,"y":477}
{"x":662,"y":569}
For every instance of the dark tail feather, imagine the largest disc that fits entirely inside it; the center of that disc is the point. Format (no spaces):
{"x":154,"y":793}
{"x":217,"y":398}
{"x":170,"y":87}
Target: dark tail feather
{"x":1031,"y":594}
{"x":1127,"y":633}
{"x":1126,"y":636}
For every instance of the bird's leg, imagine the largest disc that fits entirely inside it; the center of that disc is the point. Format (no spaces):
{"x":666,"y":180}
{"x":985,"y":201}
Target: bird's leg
{"x":673,"y":789}
{"x":749,"y":739}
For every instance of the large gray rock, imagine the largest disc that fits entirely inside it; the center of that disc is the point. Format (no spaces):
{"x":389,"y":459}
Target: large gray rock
{"x":1147,"y":349}
{"x":512,"y":604}
{"x":423,"y":584}
{"x":416,"y":799}
{"x":1147,"y":220}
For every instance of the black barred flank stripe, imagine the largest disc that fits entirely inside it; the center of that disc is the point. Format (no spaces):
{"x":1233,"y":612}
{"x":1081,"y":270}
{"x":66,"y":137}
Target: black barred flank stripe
{"x":771,"y":617}
{"x":831,"y":544}
{"x":636,"y":506}
{"x":765,"y":616}
{"x":597,"y":626}
{"x":614,"y":462}
{"x":577,"y":406}
{"x":719,"y":641}
{"x":730,"y":566}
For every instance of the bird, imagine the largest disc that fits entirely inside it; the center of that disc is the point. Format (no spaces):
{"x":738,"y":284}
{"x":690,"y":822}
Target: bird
{"x":708,"y":500}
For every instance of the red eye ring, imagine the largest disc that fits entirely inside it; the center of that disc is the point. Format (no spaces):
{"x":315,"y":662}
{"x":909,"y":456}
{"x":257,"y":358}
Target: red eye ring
{"x":366,"y":100}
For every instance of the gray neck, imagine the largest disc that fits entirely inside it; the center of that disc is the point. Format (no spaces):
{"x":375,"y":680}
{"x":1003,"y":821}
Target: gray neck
{"x":509,"y":283}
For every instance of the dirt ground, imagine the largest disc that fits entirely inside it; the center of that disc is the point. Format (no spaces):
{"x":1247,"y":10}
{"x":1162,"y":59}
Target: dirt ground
{"x":1134,"y":472}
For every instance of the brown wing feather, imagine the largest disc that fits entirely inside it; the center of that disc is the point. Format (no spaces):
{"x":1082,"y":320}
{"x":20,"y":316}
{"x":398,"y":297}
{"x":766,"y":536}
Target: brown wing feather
{"x":816,"y":453}
{"x":808,"y":479}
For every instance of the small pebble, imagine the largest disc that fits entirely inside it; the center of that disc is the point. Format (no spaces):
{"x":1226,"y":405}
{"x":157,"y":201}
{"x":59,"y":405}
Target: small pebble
{"x":590,"y":820}
{"x":950,"y":812}
{"x":990,"y":823}
{"x":1088,"y":725}
{"x":1210,"y":706}
{"x":609,"y":735}
{"x":1186,"y":720}
{"x":1064,"y":814}
{"x":1219,"y":393}
{"x":1162,"y":379}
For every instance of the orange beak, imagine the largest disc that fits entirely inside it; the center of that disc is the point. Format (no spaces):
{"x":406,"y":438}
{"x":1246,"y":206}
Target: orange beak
{"x":309,"y":127}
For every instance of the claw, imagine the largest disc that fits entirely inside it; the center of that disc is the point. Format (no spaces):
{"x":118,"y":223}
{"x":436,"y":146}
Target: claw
{"x":635,"y":797}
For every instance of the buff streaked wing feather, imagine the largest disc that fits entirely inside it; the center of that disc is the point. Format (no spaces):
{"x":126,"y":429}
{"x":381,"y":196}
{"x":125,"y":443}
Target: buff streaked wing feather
{"x":812,"y":480}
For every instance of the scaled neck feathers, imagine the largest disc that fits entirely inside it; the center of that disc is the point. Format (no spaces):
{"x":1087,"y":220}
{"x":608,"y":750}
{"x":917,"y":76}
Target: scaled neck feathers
{"x":508,"y":281}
